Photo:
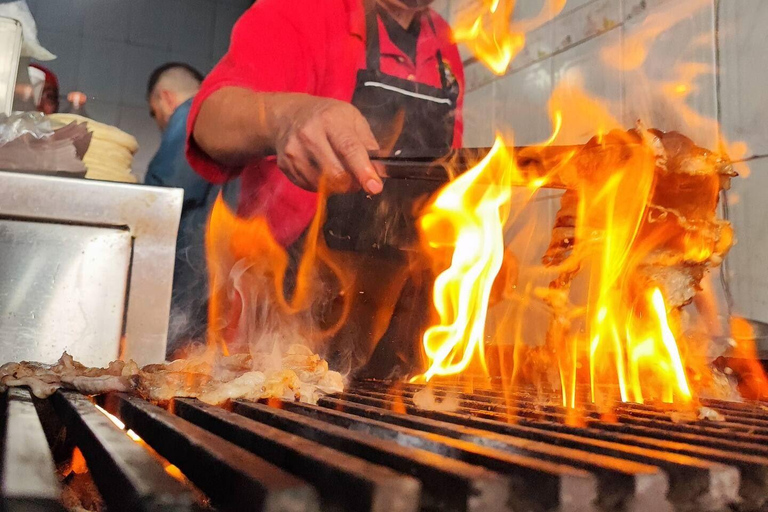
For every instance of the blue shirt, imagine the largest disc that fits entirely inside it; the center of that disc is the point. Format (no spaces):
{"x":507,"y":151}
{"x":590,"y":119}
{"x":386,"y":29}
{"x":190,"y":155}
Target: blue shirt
{"x":169,"y":168}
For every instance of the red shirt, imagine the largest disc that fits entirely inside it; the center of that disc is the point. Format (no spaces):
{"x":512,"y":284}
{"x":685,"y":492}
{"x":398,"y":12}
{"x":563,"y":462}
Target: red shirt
{"x":314,"y":47}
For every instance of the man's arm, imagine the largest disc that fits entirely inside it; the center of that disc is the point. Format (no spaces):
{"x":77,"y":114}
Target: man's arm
{"x":311,"y":136}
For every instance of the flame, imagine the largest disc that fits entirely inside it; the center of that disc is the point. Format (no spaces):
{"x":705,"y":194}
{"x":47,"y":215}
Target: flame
{"x":247,"y":273}
{"x":169,"y":468}
{"x":467,"y":217}
{"x":744,"y":360}
{"x":114,"y":419}
{"x":614,"y":333}
{"x":656,"y":365}
{"x":492,"y":35}
{"x":615,"y":318}
{"x":79,"y":466}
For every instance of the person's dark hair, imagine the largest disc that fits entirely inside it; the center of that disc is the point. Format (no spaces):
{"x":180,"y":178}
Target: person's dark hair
{"x":158,"y":73}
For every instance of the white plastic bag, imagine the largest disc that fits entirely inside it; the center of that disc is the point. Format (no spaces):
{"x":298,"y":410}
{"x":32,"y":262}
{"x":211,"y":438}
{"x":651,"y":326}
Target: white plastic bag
{"x":31,"y":47}
{"x":20,"y":123}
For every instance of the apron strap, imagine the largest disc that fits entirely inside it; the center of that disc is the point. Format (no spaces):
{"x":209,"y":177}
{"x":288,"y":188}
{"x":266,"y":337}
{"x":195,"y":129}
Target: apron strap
{"x":372,"y":47}
{"x":439,"y":55}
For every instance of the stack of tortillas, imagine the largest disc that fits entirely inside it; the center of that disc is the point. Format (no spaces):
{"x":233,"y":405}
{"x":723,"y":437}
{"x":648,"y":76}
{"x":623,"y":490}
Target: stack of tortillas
{"x":110,"y":155}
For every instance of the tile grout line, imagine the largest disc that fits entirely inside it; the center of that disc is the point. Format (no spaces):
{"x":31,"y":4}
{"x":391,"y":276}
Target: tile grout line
{"x":473,"y":60}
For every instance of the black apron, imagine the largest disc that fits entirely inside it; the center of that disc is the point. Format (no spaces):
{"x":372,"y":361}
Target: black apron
{"x":404,"y":115}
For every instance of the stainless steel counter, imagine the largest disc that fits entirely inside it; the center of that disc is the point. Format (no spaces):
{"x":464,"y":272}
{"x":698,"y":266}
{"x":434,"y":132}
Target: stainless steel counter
{"x":85,"y":266}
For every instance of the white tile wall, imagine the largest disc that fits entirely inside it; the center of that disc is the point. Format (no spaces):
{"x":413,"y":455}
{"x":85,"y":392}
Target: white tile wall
{"x":572,"y":5}
{"x":152,"y":30}
{"x":108,"y":48}
{"x":193,"y":27}
{"x":582,"y":20}
{"x":478,"y":117}
{"x":106,"y":19}
{"x":521,"y":103}
{"x":744,"y":95}
{"x":140,"y":61}
{"x":578,"y":38}
{"x":67,"y":64}
{"x":101,"y":71}
{"x":581,"y":68}
{"x":61,"y":15}
{"x":226,"y":16}
{"x":749,"y":272}
{"x":686,"y":46}
{"x":201,"y":62}
{"x":105,"y":112}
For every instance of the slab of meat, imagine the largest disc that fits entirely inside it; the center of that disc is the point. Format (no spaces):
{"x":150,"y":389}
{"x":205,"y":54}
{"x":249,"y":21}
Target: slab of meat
{"x":298,"y":375}
{"x":680,"y":236}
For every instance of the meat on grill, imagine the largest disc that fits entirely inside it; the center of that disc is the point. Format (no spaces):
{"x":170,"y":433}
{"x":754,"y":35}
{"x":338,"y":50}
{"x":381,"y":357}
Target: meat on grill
{"x":298,"y":375}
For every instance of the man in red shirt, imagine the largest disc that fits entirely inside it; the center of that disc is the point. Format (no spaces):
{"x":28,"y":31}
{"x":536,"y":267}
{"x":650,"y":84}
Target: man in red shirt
{"x":309,"y":87}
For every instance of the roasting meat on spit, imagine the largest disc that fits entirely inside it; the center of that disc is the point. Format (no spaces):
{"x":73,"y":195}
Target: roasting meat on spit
{"x":683,"y":207}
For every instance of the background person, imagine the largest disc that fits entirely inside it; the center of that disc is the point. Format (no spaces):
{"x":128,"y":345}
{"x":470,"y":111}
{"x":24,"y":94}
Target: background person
{"x":170,"y":90}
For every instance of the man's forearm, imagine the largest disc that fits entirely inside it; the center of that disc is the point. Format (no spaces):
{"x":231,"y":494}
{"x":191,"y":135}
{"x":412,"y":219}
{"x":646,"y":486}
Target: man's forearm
{"x":236,"y":125}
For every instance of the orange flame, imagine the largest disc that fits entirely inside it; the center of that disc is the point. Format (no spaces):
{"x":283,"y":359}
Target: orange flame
{"x":467,"y":217}
{"x":172,"y":470}
{"x":614,"y":335}
{"x":494,"y":37}
{"x":248,"y":268}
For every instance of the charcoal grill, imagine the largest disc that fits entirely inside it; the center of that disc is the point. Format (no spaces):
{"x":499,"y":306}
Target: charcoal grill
{"x":371,"y":449}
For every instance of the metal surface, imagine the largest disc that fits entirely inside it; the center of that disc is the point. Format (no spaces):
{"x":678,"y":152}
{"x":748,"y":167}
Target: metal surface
{"x":29,"y":483}
{"x":385,"y":224}
{"x":334,"y":474}
{"x":10,"y":50}
{"x":532,"y":418}
{"x":129,"y":478}
{"x":532,"y":162}
{"x":371,"y":449}
{"x":232,"y":477}
{"x":636,"y":485}
{"x":448,"y":484}
{"x":62,"y":287}
{"x":149,"y":215}
{"x":708,"y":486}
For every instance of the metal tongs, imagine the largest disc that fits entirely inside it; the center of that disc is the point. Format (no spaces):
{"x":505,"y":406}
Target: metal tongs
{"x":533,"y":162}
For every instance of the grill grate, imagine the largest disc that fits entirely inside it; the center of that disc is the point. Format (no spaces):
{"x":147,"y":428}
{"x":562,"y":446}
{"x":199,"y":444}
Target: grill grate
{"x":371,"y":449}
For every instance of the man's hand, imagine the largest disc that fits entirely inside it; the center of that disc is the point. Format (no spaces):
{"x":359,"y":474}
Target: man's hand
{"x":313,"y":137}
{"x":321,"y":137}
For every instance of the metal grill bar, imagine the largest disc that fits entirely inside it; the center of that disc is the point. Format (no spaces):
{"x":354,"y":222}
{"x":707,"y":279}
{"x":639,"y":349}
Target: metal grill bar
{"x":703,"y":439}
{"x":127,"y":475}
{"x":739,"y":416}
{"x":448,"y":484}
{"x":732,"y":423}
{"x":708,"y":485}
{"x":334,"y":474}
{"x":621,"y":483}
{"x":232,"y":477}
{"x":371,"y":449}
{"x":29,"y":481}
{"x":481,"y":404}
{"x":660,"y":430}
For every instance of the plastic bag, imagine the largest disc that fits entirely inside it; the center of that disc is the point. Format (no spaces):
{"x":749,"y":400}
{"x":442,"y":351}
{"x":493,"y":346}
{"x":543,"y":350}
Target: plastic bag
{"x":20,"y":123}
{"x":31,"y":47}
